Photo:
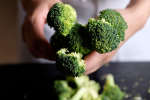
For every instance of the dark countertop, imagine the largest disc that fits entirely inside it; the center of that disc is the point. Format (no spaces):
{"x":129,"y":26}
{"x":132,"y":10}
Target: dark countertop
{"x":34,"y":81}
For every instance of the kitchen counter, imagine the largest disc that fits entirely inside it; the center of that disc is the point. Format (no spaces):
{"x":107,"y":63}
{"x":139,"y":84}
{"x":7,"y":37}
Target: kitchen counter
{"x":34,"y":81}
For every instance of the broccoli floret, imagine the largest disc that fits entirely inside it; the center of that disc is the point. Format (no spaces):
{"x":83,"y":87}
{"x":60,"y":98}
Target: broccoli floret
{"x":111,"y":90}
{"x":76,"y":41}
{"x":62,"y":17}
{"x":102,"y":36}
{"x":116,"y":20}
{"x":63,"y":90}
{"x":86,"y":89}
{"x":73,"y":41}
{"x":70,"y":63}
{"x":81,"y":88}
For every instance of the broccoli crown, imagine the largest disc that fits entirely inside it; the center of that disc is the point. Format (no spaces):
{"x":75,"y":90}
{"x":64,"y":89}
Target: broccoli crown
{"x":111,"y":90}
{"x":73,"y":41}
{"x":62,"y":17}
{"x":71,"y":63}
{"x":103,"y":37}
{"x":81,"y":88}
{"x":116,"y":20}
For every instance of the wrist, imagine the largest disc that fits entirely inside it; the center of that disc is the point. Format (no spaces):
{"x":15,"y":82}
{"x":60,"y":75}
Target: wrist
{"x":139,"y":8}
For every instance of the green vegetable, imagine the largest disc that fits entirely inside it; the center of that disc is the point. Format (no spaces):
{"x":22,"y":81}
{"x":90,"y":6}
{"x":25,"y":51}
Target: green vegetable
{"x":77,"y":88}
{"x":62,"y":17}
{"x":82,"y":88}
{"x":70,"y":63}
{"x":116,"y":20}
{"x":111,"y":90}
{"x":63,"y":90}
{"x":73,"y":41}
{"x":103,"y":37}
{"x":102,"y":34}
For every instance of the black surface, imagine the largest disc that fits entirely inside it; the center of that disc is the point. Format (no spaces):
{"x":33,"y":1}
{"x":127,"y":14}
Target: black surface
{"x":34,"y":81}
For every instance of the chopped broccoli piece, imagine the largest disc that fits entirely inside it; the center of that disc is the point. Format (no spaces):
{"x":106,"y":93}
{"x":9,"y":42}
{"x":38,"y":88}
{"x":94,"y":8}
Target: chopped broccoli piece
{"x":111,"y":90}
{"x":116,"y":20}
{"x":78,"y":88}
{"x":82,"y":88}
{"x":70,"y":63}
{"x":62,"y":17}
{"x":103,"y":37}
{"x":63,"y":90}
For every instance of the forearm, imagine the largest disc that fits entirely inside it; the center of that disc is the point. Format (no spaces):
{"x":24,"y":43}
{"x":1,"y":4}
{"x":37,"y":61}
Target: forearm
{"x":136,"y":16}
{"x":140,"y":5}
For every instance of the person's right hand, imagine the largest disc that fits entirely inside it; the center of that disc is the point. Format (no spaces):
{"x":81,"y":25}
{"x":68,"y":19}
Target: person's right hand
{"x":33,"y":27}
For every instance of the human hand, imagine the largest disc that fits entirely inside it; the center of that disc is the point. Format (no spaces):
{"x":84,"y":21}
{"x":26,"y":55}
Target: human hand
{"x":95,"y":60}
{"x":33,"y":28}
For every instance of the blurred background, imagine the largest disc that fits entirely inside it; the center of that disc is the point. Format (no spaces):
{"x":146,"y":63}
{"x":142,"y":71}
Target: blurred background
{"x":8,"y":31}
{"x":134,"y":50}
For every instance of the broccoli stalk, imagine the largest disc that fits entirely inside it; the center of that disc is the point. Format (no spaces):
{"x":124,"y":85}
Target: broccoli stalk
{"x":79,"y":94}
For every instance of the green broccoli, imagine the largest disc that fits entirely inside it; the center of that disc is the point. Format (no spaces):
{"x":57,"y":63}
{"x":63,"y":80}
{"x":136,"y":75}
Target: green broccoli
{"x":78,"y":88}
{"x":102,"y":36}
{"x":70,"y":63}
{"x":62,"y":17}
{"x":87,"y":89}
{"x":76,"y":41}
{"x":82,"y":88}
{"x":63,"y":90}
{"x":116,"y":20}
{"x":58,"y":41}
{"x":73,"y":41}
{"x":111,"y":90}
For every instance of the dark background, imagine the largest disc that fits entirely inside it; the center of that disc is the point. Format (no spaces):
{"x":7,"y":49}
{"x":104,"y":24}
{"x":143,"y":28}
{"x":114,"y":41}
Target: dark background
{"x":34,"y":81}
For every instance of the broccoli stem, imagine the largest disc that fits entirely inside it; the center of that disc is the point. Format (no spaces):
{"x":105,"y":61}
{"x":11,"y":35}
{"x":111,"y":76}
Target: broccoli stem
{"x":110,"y":80}
{"x":79,"y":94}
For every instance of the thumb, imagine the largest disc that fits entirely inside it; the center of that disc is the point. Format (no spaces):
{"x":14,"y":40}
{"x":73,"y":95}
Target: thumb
{"x":35,"y":26}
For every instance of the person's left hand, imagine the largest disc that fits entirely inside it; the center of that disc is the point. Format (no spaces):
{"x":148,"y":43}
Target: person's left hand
{"x":96,"y":60}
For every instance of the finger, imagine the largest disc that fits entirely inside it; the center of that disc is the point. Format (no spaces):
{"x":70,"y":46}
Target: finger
{"x":93,"y":61}
{"x":40,"y":42}
{"x":33,"y":35}
{"x":44,"y":49}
